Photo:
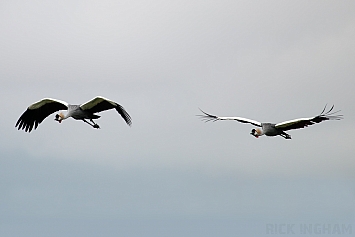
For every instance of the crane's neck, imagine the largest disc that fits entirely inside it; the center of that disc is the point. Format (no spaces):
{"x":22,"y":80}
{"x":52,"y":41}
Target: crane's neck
{"x":62,"y":116}
{"x":259,"y":132}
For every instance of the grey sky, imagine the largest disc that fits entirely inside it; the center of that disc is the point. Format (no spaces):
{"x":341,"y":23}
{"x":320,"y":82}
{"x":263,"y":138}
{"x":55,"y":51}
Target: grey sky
{"x":171,"y":174}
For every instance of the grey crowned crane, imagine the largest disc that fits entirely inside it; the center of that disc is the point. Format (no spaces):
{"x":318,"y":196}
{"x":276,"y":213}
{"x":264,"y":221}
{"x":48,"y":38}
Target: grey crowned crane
{"x":38,"y":111}
{"x":271,"y":129}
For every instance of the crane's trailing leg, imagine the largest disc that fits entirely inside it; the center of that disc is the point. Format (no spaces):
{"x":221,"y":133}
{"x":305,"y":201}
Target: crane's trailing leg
{"x":285,"y":135}
{"x":94,"y":125}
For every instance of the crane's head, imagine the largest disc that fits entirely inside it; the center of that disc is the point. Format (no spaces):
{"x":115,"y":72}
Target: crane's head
{"x":59,"y":117}
{"x":256,"y":132}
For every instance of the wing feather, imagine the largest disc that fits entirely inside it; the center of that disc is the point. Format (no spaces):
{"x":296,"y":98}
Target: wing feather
{"x":100,"y":103}
{"x":209,"y":117}
{"x":38,"y":111}
{"x":305,"y":122}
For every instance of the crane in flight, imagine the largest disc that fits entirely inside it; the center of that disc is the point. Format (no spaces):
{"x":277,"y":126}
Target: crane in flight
{"x":271,"y":129}
{"x":38,"y":111}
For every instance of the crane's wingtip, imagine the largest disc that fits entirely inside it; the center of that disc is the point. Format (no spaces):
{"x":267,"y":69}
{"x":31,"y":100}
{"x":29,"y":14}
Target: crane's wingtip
{"x":206,"y":117}
{"x":201,"y":110}
{"x":209,"y":115}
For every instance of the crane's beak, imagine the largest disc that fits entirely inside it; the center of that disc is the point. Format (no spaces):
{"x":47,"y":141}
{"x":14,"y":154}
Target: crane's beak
{"x":57,"y":118}
{"x":254,"y":135}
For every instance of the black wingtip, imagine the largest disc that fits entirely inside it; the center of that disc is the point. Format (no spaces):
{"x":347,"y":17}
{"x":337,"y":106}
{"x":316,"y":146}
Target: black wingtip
{"x":209,"y":115}
{"x":202,"y":111}
{"x":324,"y":108}
{"x":126,"y":117}
{"x":206,"y":117}
{"x":330,"y":109}
{"x":329,"y":115}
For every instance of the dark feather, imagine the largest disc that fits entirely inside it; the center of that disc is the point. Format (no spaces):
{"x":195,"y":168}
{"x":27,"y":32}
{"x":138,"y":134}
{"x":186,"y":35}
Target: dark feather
{"x":32,"y":117}
{"x":207,"y":117}
{"x":106,"y":105}
{"x":317,"y":119}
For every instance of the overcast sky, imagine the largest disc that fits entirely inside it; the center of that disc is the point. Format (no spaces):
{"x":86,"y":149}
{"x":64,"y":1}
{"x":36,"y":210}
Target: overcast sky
{"x":171,"y":174}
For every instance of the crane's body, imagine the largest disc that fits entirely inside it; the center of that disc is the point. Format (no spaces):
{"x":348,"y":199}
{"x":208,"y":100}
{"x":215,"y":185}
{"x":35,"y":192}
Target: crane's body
{"x":269,"y":129}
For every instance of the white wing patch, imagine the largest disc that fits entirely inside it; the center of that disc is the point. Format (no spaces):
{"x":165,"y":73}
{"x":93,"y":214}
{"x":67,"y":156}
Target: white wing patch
{"x":46,"y":101}
{"x":92,"y":103}
{"x":240,"y":119}
{"x":209,"y":117}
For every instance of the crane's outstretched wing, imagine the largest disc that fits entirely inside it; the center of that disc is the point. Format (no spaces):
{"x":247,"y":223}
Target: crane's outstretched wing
{"x":209,"y":117}
{"x":38,"y":111}
{"x":100,"y":103}
{"x":305,"y":122}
